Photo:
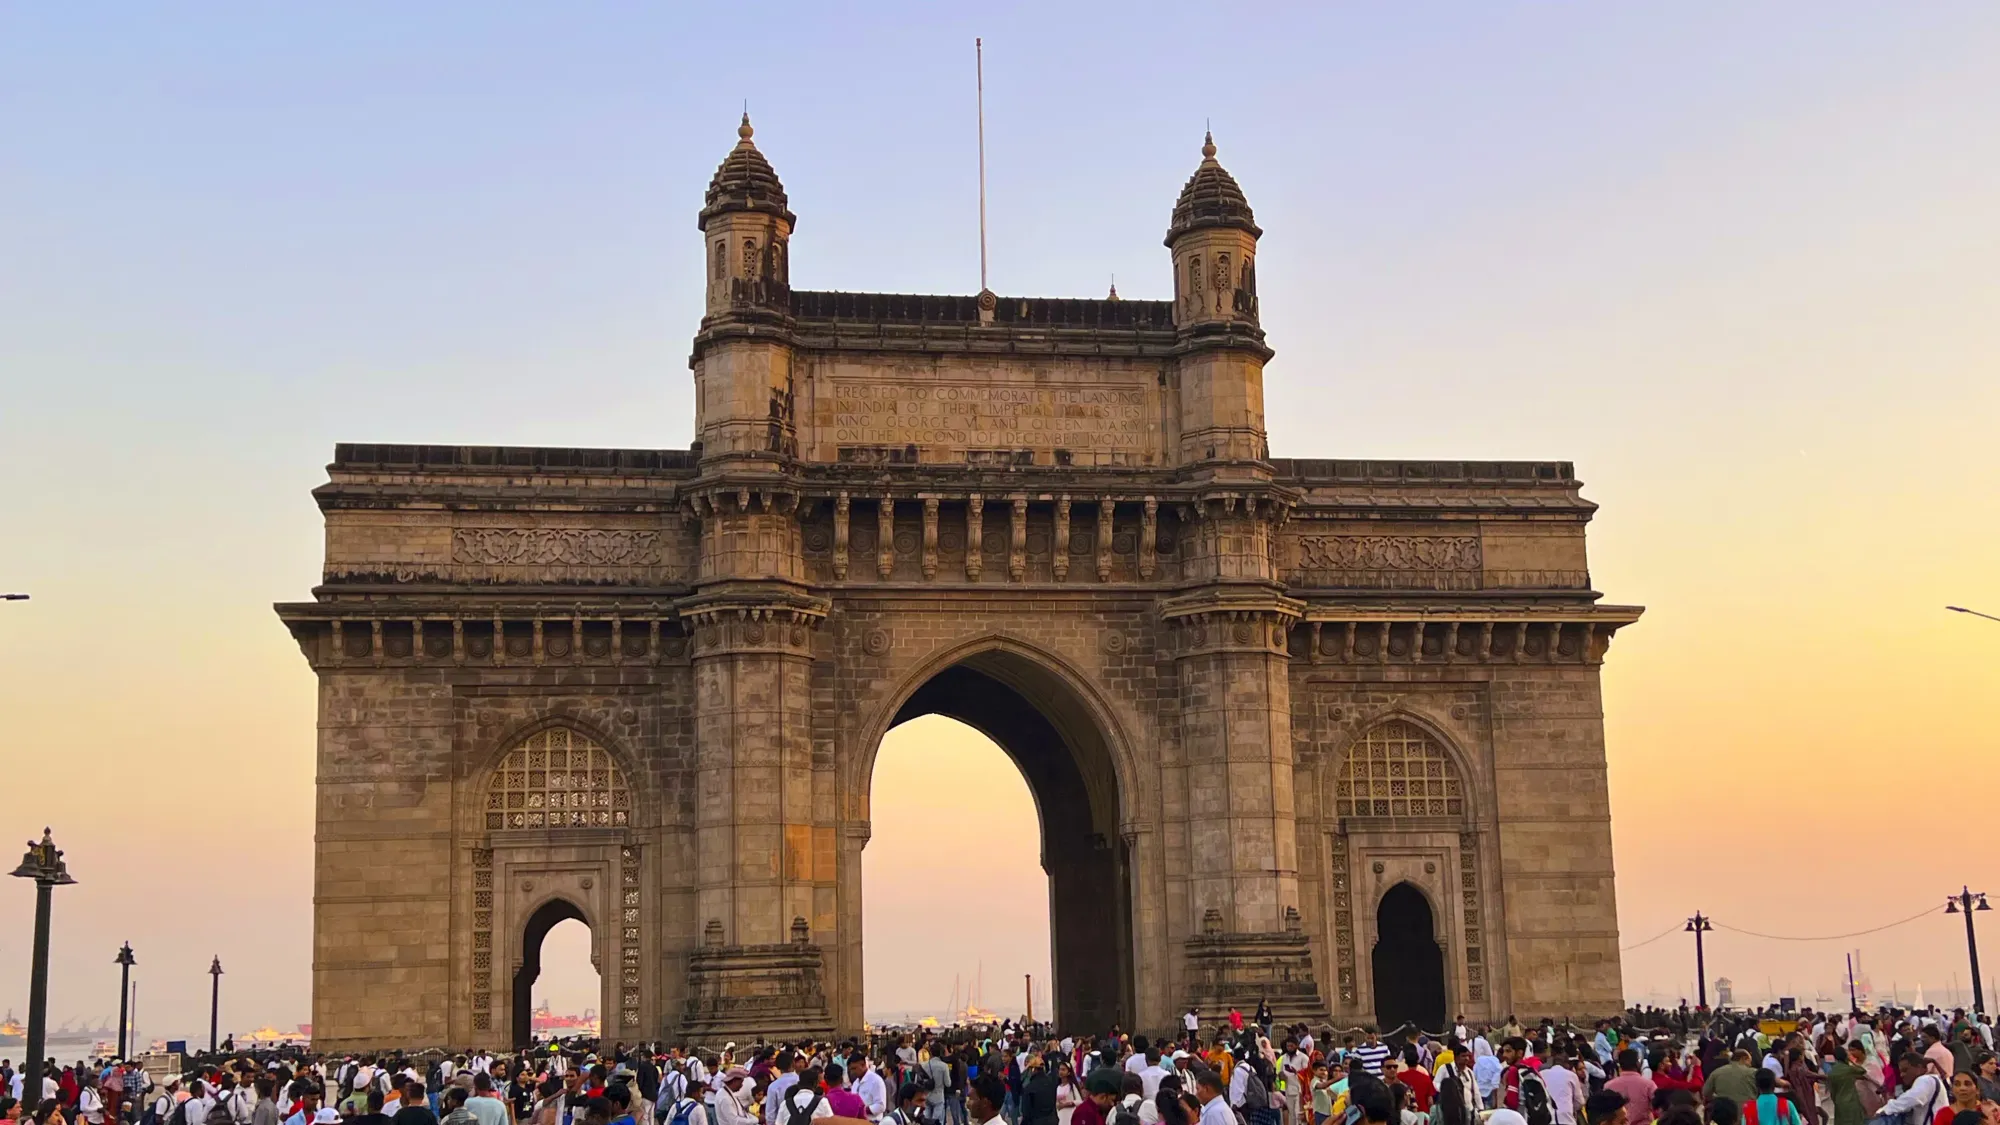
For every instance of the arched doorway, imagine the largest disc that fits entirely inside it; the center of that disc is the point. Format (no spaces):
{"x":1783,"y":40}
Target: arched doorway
{"x":1409,"y":966}
{"x":546,"y":918}
{"x":952,"y":816}
{"x":1038,"y":719}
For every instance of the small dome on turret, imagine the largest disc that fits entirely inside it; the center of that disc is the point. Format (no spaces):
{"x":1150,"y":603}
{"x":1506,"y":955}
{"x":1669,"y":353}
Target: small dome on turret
{"x":1211,"y":199}
{"x":745,"y":181}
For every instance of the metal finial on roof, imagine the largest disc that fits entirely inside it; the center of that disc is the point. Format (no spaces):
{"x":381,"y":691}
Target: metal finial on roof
{"x":744,"y":130}
{"x":1207,"y":144}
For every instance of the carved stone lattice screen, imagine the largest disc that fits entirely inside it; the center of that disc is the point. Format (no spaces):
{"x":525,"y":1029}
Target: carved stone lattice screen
{"x":628,"y":933}
{"x":558,"y":779}
{"x":1398,"y":770}
{"x":482,"y":939}
{"x":1468,"y":882}
{"x":1343,"y":921}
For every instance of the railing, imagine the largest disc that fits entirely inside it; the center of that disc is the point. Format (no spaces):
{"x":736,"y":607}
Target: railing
{"x":365,"y":455}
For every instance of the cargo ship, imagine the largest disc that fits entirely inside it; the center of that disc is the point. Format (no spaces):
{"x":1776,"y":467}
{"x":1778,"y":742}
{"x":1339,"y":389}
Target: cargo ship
{"x":14,"y":1033}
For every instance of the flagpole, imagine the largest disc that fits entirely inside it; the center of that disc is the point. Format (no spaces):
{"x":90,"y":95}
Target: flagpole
{"x":979,"y":71}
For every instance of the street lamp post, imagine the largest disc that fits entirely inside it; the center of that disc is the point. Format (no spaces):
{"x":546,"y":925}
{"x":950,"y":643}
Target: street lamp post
{"x":124,"y":961}
{"x":44,"y":864}
{"x":1965,"y":902}
{"x":1698,"y":926}
{"x":1973,"y":612}
{"x":214,"y":1002}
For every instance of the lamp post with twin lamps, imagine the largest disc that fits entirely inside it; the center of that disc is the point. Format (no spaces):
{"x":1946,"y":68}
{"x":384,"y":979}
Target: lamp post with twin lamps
{"x":44,"y":864}
{"x":1698,"y":926}
{"x":1966,"y":902}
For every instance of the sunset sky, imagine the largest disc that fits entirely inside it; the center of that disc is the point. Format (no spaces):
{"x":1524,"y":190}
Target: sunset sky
{"x":1740,"y":263}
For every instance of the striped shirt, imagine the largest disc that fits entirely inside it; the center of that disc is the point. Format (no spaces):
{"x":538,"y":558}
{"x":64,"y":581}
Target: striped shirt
{"x":1371,"y":1056}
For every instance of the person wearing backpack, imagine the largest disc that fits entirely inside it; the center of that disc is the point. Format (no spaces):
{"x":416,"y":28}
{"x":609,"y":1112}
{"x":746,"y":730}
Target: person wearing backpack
{"x":193,"y":1109}
{"x":1769,"y":1107}
{"x":163,"y":1104}
{"x":676,"y":1108}
{"x":1923,"y":1094}
{"x":800,"y":1104}
{"x":1535,"y":1105}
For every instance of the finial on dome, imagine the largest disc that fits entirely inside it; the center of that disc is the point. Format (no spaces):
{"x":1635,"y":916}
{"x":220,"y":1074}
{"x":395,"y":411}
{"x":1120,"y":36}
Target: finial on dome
{"x":1207,"y":140}
{"x":745,"y":181}
{"x":1114,"y":289}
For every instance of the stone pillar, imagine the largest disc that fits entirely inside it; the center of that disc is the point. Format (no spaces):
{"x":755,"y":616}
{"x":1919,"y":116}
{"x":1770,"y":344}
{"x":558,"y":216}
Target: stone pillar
{"x":1235,"y":706}
{"x":758,"y":815}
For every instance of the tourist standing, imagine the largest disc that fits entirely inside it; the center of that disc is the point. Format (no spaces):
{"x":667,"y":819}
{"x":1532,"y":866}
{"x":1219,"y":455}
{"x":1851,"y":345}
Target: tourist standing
{"x":1636,"y":1088}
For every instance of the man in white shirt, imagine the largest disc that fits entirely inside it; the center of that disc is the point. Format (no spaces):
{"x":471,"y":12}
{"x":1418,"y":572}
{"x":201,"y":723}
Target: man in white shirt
{"x":90,"y":1101}
{"x":1153,"y":1072}
{"x":163,"y":1100}
{"x":1292,"y":1067}
{"x":1566,"y":1090}
{"x":1239,"y":1084}
{"x":1923,"y":1095}
{"x":199,"y":1102}
{"x":1214,"y":1107}
{"x":868,"y":1086}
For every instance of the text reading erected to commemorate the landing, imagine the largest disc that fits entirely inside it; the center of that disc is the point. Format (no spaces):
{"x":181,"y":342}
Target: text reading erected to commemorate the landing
{"x":992,"y":417}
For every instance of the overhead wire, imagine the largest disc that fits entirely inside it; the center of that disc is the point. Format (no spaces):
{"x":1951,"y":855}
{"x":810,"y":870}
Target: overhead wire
{"x":1925,"y":913}
{"x":1673,"y":929}
{"x":1679,"y":927}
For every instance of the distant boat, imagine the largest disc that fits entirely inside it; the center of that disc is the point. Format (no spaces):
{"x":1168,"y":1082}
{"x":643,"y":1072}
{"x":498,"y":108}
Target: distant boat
{"x":14,"y":1034}
{"x":545,"y":1024}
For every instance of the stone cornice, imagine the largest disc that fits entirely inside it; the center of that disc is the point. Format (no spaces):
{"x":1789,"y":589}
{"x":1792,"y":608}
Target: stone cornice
{"x":1577,"y":634}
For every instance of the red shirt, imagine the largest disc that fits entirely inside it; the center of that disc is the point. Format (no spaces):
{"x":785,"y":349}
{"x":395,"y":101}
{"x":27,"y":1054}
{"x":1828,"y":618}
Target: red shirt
{"x":1422,"y":1089}
{"x":1087,"y":1112}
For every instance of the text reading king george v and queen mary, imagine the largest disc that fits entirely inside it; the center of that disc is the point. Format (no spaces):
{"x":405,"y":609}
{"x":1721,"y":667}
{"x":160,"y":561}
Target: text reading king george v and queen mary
{"x":992,"y":417}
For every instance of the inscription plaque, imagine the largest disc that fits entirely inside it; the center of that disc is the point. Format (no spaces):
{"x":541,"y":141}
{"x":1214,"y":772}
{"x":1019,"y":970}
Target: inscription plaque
{"x":953,"y":416}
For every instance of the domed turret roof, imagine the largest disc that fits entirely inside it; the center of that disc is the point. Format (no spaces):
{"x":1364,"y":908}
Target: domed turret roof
{"x":745,"y":181}
{"x":1211,"y":199}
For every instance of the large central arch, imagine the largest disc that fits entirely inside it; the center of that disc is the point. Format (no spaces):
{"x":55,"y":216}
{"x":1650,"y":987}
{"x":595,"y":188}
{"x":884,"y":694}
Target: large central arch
{"x":1038,"y":713}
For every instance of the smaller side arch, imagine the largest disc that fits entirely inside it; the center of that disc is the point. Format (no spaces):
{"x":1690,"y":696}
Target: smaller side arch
{"x":550,"y":912}
{"x":1408,"y":960}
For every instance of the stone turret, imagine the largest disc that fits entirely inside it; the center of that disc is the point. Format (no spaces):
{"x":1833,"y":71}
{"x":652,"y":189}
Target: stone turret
{"x":1213,"y":238}
{"x":743,"y":355}
{"x":748,"y":224}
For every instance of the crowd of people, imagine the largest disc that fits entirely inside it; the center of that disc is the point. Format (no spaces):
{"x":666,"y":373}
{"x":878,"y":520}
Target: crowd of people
{"x":1647,"y":1068}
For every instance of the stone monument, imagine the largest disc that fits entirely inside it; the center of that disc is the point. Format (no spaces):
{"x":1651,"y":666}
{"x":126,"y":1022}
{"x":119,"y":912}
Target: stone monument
{"x":1322,"y":732}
